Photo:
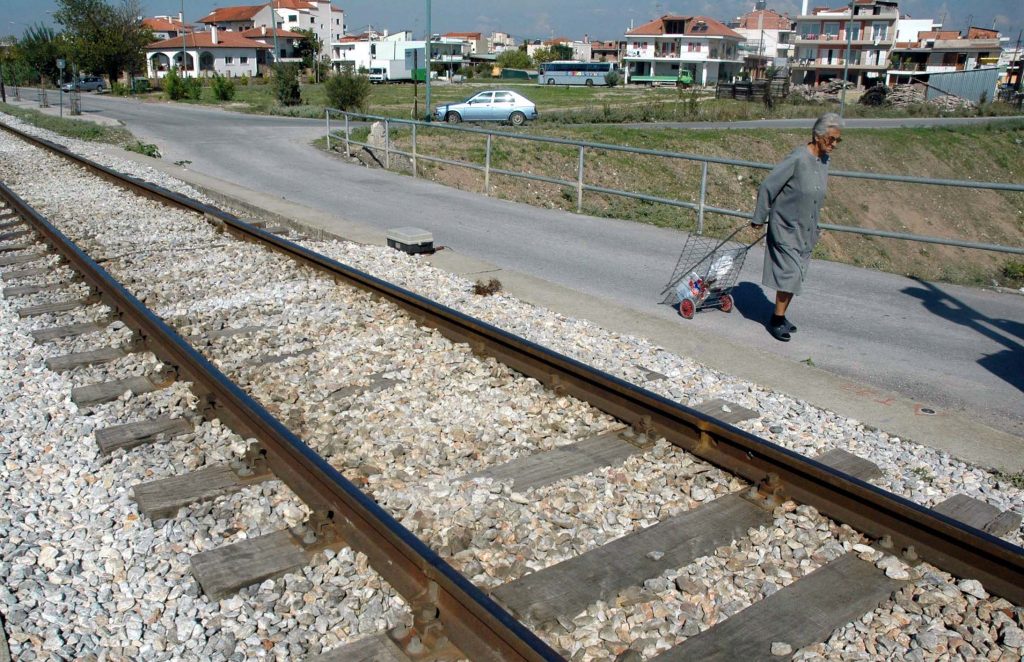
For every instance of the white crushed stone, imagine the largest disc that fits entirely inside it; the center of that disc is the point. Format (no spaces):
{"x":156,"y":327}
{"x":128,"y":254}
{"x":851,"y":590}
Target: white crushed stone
{"x":450,"y":413}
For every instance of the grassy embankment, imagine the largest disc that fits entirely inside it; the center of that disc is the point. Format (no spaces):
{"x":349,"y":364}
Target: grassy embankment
{"x":985,"y":153}
{"x":81,"y":129}
{"x":569,"y":105}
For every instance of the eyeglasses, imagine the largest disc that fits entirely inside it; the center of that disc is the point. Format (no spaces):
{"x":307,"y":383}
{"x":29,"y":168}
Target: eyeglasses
{"x":832,"y":140}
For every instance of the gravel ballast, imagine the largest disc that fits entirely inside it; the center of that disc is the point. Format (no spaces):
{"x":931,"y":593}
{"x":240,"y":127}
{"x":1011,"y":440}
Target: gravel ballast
{"x":444,"y":413}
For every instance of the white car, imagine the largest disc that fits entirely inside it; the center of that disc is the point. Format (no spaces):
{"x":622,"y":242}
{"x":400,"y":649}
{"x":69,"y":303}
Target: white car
{"x":489,"y":106}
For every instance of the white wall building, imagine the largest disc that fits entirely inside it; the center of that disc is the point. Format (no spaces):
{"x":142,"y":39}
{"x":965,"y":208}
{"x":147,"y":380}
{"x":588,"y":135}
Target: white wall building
{"x":206,"y":53}
{"x":766,"y":32}
{"x":659,"y":50}
{"x":326,"y":20}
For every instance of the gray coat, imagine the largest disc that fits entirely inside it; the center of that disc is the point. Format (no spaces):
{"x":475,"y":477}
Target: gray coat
{"x":789,"y":200}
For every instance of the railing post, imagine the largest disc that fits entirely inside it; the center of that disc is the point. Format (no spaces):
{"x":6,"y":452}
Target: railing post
{"x":579,"y":183}
{"x":703,"y":194}
{"x":387,"y":145}
{"x":414,"y":175}
{"x":327,"y":112}
{"x":487,"y":167}
{"x":348,"y":147}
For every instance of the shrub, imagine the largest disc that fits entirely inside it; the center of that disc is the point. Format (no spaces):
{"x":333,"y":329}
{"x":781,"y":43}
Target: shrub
{"x":146,"y":149}
{"x":119,"y":89}
{"x":347,"y":90}
{"x":286,"y":84}
{"x":243,"y":80}
{"x":223,"y":88}
{"x":612,"y":78}
{"x":174,"y":85}
{"x":193,"y":88}
{"x":1014,"y":272}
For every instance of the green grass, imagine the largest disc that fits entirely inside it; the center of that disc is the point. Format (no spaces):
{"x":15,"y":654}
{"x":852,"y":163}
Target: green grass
{"x":80,"y":129}
{"x":570,"y":104}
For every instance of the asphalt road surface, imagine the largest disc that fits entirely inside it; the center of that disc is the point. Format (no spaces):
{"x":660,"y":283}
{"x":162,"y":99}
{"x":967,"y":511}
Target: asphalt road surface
{"x":953,"y":347}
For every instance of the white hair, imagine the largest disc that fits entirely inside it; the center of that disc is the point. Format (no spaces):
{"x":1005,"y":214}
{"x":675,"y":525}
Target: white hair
{"x":826,"y":122}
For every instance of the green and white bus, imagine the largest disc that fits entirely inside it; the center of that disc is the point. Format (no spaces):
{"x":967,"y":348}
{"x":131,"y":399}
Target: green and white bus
{"x":568,"y":72}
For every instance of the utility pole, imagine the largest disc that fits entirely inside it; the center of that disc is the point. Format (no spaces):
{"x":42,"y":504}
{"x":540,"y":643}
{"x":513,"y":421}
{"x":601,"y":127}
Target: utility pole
{"x":273,"y":20}
{"x":183,"y":44}
{"x":427,"y":58}
{"x":846,"y":61}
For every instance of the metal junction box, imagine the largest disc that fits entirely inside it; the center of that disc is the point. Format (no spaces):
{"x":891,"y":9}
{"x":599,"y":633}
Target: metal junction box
{"x":411,"y":240}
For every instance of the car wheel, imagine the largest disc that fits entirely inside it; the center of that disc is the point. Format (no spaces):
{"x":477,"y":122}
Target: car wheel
{"x":589,"y":83}
{"x":551,"y":81}
{"x":453,"y":118}
{"x":517,"y":119}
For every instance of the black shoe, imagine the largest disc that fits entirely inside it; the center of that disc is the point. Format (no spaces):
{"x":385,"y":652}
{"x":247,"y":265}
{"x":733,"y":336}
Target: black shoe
{"x":789,"y":325}
{"x":779,"y":331}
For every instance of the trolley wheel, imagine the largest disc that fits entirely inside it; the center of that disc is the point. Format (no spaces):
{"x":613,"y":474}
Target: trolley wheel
{"x":725,"y":301}
{"x":687,"y":309}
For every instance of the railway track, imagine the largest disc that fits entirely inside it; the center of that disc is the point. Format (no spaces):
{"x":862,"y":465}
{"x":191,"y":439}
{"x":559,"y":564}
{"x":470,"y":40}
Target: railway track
{"x":257,"y":363}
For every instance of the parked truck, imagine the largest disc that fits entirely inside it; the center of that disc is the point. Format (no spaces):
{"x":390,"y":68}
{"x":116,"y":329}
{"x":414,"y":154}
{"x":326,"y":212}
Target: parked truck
{"x":389,"y":71}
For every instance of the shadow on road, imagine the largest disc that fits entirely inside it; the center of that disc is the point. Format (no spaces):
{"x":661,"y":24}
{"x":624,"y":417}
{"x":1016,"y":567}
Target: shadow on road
{"x":752,"y":302}
{"x":1008,"y":364}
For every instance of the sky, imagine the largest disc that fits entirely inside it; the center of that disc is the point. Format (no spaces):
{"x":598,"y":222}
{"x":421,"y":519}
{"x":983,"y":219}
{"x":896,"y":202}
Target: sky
{"x":600,"y":19}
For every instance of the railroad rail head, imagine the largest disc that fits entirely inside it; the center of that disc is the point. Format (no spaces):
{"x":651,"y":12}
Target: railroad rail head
{"x":901,"y":526}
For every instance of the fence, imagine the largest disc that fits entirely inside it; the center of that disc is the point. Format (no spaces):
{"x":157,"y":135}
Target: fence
{"x":580,"y":186}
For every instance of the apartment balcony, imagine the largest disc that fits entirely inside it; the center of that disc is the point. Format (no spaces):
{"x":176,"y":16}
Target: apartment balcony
{"x":838,"y":63}
{"x":858,"y":40}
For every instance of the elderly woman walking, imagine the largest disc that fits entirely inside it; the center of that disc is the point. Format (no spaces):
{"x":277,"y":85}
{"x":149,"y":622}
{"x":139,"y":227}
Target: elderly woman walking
{"x":789,"y":201}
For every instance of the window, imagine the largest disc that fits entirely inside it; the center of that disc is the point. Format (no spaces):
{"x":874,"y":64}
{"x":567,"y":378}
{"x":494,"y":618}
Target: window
{"x":879,"y":30}
{"x":284,"y":53}
{"x":831,"y":30}
{"x":228,"y":59}
{"x":693,"y":47}
{"x":243,"y":59}
{"x":293,"y":18}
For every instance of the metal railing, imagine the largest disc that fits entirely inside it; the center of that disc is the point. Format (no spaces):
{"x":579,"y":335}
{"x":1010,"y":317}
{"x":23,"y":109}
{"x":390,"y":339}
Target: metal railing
{"x":579,"y":184}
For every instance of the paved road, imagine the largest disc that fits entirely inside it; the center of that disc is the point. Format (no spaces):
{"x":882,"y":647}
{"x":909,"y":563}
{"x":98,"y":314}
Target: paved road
{"x":952,"y":347}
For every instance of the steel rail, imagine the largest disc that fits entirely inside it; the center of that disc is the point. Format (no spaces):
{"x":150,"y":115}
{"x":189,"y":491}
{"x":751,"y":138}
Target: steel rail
{"x":475,"y":624}
{"x":902,"y":526}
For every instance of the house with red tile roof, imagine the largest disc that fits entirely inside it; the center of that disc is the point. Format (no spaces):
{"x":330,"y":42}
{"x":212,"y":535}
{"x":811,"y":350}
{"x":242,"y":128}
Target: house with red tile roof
{"x":660,"y":50}
{"x":165,"y":27}
{"x":320,"y":16}
{"x":206,"y":53}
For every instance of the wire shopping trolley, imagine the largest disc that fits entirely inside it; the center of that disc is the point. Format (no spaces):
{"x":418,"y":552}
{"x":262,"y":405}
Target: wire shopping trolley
{"x":705,"y":273}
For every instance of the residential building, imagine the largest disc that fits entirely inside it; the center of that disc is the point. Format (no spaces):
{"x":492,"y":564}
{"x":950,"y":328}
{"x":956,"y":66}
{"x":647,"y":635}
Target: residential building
{"x":937,"y":51}
{"x":368,"y":50}
{"x":607,"y":51}
{"x":661,"y":49}
{"x":206,"y":53}
{"x":766,"y":33}
{"x":475,"y":42}
{"x":320,"y":16}
{"x":286,"y":40}
{"x":537,"y":45}
{"x":822,"y":36}
{"x":499,"y":42}
{"x":166,"y":27}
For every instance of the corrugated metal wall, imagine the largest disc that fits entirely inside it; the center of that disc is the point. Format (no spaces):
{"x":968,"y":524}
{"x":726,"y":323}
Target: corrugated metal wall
{"x":970,"y":85}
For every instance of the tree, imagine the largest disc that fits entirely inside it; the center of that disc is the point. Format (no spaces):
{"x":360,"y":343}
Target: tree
{"x":309,"y":49}
{"x":514,"y":60}
{"x":103,"y":38}
{"x":542,"y":55}
{"x":347,"y":90}
{"x":40,"y":47}
{"x":286,"y":84}
{"x":562,"y":52}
